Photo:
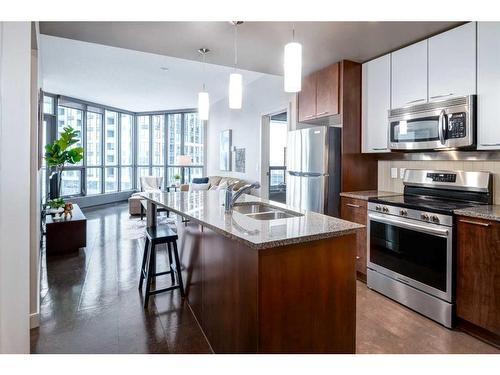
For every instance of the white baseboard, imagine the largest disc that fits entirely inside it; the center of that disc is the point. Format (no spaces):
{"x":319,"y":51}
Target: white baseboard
{"x":34,"y":320}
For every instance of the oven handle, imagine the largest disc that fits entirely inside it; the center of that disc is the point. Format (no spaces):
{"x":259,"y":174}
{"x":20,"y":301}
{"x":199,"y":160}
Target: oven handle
{"x":407,"y":225}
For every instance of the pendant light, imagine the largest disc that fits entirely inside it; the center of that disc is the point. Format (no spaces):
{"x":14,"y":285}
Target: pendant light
{"x":293,"y":65}
{"x":235,"y":79}
{"x":203,"y":99}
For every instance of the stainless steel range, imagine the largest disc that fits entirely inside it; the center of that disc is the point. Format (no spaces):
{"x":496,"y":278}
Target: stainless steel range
{"x":411,"y":252}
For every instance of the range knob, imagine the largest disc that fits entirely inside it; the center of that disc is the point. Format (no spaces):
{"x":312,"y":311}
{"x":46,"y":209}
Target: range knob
{"x":403,"y":213}
{"x":435,"y":219}
{"x":385,"y":209}
{"x":378,"y":208}
{"x":424,"y":217}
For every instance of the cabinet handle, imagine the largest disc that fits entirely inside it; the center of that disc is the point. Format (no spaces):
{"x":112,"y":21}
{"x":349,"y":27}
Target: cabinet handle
{"x":352,"y":205}
{"x":416,"y":101}
{"x":358,"y":258}
{"x":322,"y":113}
{"x":308,"y":116}
{"x":379,"y":148}
{"x":490,"y":144}
{"x":441,"y":96}
{"x":475,"y":223}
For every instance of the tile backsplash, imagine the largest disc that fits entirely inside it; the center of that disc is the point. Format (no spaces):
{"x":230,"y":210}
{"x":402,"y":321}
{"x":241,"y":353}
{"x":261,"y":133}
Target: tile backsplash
{"x":386,"y":183}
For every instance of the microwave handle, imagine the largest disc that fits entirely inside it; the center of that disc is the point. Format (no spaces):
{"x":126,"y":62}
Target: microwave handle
{"x":442,"y":126}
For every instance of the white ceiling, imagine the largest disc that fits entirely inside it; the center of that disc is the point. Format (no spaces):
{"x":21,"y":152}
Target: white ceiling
{"x":128,"y":79}
{"x":260,"y":44}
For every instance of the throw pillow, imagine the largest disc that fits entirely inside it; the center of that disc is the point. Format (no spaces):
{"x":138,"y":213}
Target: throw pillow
{"x":200,"y":180}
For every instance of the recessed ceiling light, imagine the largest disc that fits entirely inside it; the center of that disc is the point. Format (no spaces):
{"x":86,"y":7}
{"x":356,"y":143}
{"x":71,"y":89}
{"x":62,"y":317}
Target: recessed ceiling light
{"x":164,"y":68}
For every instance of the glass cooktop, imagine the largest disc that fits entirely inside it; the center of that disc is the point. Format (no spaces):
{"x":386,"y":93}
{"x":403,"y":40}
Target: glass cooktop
{"x":425,"y":203}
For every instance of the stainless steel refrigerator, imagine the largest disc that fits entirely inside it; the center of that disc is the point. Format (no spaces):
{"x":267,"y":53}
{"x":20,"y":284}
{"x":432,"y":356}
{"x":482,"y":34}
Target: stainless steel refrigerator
{"x":313,"y":169}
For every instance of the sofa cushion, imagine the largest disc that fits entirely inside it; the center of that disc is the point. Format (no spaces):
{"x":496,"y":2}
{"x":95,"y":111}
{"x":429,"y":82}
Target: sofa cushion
{"x":214,"y":180}
{"x":200,"y":180}
{"x":196,"y":187}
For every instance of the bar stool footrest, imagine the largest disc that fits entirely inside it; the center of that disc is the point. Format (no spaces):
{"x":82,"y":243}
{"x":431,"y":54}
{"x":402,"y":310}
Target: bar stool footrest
{"x":157,"y":291}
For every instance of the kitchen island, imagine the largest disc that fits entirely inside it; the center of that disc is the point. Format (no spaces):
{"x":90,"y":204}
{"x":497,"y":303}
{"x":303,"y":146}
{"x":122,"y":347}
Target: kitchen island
{"x":265,"y":278}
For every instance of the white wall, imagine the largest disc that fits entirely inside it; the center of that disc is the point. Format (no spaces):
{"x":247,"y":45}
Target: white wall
{"x":15,"y":58}
{"x":261,"y":97}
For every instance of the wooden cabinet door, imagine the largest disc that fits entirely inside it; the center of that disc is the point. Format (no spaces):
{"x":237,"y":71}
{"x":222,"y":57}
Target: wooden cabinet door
{"x":478,"y":272}
{"x":355,"y":210}
{"x":488,"y":85}
{"x":409,"y":75}
{"x":307,"y":98}
{"x":452,"y":63}
{"x":375,"y":101}
{"x":327,"y":91}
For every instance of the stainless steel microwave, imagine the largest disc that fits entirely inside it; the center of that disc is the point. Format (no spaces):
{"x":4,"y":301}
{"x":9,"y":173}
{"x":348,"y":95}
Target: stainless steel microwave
{"x":446,"y":124}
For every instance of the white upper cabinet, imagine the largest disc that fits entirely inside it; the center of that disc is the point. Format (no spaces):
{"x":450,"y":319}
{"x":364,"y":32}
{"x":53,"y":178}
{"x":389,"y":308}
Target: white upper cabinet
{"x":488,"y":85}
{"x":376,"y":101}
{"x":452,"y":63}
{"x":409,"y":75}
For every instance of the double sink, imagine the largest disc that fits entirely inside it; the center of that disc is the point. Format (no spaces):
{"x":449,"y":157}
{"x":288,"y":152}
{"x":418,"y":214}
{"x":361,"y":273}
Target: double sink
{"x":263,"y":211}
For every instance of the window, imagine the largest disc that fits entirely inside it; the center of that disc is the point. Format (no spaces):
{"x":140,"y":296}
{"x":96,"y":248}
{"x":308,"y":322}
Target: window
{"x":48,"y":105}
{"x":94,"y":132}
{"x":158,"y":122}
{"x":93,"y":181}
{"x":121,"y":147}
{"x":111,"y":138}
{"x":143,"y":140}
{"x":126,"y":139}
{"x":126,"y":178}
{"x":111,"y":180}
{"x":193,"y":138}
{"x":71,"y":183}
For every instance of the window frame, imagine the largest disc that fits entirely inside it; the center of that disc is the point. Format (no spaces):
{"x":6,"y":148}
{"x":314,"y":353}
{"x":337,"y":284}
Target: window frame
{"x":87,"y":106}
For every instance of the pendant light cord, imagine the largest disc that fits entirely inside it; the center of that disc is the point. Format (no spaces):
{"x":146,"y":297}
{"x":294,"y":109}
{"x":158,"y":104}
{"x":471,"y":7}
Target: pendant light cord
{"x":235,"y":45}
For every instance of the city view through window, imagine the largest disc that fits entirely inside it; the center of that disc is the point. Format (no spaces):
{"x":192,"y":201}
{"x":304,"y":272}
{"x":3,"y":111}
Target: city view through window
{"x":121,"y":147}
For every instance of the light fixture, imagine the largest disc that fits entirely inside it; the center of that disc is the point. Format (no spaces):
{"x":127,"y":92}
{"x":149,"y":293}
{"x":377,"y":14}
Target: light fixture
{"x":293,"y":65}
{"x":203,"y":99}
{"x":235,"y":79}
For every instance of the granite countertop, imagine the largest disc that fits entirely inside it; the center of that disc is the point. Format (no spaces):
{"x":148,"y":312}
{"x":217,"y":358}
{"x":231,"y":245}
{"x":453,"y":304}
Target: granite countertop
{"x":366,"y":194}
{"x":481,"y":212}
{"x":205,"y":208}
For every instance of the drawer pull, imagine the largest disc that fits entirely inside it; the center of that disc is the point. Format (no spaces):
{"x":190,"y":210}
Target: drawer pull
{"x":379,"y":148}
{"x":322,"y":113}
{"x":475,"y":223}
{"x":490,"y":144}
{"x":358,"y":258}
{"x":352,"y":205}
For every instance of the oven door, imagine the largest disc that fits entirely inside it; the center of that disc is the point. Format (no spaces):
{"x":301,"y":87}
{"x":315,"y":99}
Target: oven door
{"x":414,"y":253}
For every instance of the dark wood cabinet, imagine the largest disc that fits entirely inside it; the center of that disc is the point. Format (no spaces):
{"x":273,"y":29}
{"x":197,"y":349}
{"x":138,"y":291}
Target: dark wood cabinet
{"x":355,"y":210}
{"x":327,"y":91}
{"x":478,"y":274}
{"x":319,"y":96}
{"x":307,"y":98}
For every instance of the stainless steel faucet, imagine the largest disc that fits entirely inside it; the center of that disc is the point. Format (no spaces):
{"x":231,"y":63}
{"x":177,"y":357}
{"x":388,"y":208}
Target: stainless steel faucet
{"x":231,"y":196}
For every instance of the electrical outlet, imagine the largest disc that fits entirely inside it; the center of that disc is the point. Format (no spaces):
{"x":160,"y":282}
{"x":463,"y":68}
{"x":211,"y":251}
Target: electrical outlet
{"x":394,"y":173}
{"x":402,"y":172}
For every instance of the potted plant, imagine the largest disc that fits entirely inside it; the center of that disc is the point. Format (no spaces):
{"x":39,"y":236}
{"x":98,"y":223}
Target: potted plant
{"x":61,"y":152}
{"x":177,"y":178}
{"x":55,"y":205}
